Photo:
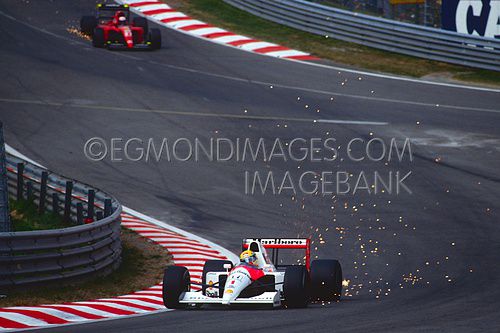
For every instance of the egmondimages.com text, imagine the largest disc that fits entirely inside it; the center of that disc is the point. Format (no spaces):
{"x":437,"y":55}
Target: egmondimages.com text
{"x":293,"y":152}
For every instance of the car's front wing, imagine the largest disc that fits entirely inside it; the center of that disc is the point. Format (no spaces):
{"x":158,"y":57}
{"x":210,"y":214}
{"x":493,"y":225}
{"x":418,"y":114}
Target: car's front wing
{"x":119,"y":46}
{"x":269,"y":297}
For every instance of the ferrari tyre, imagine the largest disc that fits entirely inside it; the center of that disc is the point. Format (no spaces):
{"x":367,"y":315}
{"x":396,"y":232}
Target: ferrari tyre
{"x":142,"y":23}
{"x":88,"y":24}
{"x":155,"y":39}
{"x":212,"y":266}
{"x":176,"y":280}
{"x":98,"y":37}
{"x":326,"y":280}
{"x":296,"y":287}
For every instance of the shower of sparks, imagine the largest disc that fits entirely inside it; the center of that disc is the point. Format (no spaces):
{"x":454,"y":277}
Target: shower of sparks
{"x":75,"y":31}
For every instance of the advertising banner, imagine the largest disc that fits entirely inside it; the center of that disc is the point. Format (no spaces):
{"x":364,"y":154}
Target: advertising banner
{"x":472,"y":17}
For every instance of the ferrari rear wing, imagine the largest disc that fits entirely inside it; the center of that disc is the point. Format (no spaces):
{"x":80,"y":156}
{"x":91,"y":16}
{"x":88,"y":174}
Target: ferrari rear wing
{"x":281,"y":243}
{"x":108,"y":10}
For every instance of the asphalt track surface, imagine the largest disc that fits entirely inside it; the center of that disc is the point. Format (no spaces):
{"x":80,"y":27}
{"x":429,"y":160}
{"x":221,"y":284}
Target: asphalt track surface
{"x":421,"y":262}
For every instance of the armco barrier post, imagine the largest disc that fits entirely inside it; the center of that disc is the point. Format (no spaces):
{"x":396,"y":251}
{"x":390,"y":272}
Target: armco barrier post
{"x":99,"y":215}
{"x":20,"y":181}
{"x":67,"y":201}
{"x":107,"y":207}
{"x":5,"y":225}
{"x":29,"y":191}
{"x":55,"y":203}
{"x":90,"y":204}
{"x":43,"y":192}
{"x":79,"y":213}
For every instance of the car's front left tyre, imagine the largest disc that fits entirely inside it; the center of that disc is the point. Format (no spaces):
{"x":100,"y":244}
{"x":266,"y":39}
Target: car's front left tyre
{"x":176,"y":280}
{"x":98,"y":37}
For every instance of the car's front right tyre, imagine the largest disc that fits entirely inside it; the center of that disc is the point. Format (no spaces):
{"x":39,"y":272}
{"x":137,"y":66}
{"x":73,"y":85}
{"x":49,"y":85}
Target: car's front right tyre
{"x":88,"y":24}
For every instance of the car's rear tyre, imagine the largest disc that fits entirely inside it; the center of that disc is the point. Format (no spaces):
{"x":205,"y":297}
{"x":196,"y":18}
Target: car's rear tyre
{"x":88,"y":24}
{"x":212,"y":266}
{"x":98,"y":37}
{"x":296,"y":287}
{"x":176,"y":280}
{"x":142,"y":23}
{"x":326,"y":280}
{"x":155,"y":39}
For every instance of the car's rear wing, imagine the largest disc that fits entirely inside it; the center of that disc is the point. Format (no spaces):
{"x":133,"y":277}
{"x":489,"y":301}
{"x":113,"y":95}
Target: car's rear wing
{"x":108,"y":10}
{"x":281,"y":243}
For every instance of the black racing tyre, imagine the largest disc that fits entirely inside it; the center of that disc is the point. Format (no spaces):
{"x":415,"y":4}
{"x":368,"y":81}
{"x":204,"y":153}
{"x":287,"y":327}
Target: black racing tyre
{"x":326,"y":280}
{"x":296,"y":287}
{"x":155,"y":39}
{"x":98,"y":37}
{"x":176,"y":280}
{"x":142,"y":23}
{"x":88,"y":24}
{"x":212,"y":266}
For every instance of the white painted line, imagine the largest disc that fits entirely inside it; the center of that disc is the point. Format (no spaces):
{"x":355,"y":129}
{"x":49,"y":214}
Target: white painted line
{"x":87,"y":309}
{"x":184,"y":23}
{"x":111,"y":305}
{"x":143,"y":297}
{"x":134,"y":301}
{"x":147,"y":8}
{"x":207,"y":31}
{"x":229,"y":39}
{"x":397,"y":78}
{"x":286,"y":53}
{"x":136,"y":1}
{"x":53,"y":312}
{"x":23,"y":319}
{"x":163,"y":16}
{"x":148,"y":291}
{"x":352,"y":122}
{"x":255,"y":45}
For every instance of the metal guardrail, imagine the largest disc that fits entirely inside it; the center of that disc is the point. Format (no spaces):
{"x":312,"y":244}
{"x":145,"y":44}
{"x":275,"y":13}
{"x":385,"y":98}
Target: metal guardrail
{"x":76,"y":252}
{"x":388,"y":35}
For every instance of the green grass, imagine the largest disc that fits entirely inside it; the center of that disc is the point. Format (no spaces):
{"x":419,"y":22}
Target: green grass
{"x":25,"y":217}
{"x":480,"y":76}
{"x":218,"y":13}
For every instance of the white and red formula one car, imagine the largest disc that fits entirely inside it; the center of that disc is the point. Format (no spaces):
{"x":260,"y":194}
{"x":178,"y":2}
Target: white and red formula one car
{"x":257,"y":279}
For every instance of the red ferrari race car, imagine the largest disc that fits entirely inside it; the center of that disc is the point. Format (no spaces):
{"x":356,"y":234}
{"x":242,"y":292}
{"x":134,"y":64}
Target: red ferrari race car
{"x":111,"y":28}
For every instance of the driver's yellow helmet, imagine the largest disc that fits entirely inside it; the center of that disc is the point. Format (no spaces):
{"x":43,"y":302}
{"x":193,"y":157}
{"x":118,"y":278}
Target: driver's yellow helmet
{"x":248,"y":257}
